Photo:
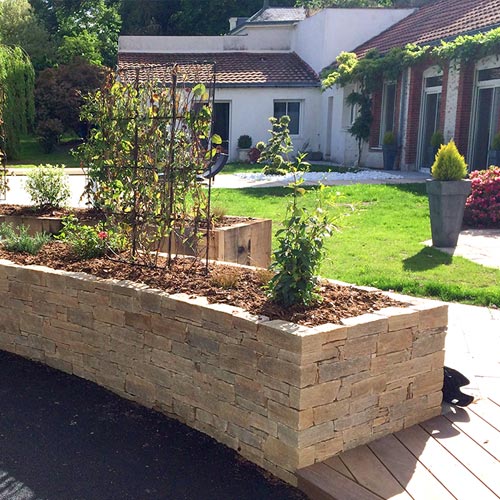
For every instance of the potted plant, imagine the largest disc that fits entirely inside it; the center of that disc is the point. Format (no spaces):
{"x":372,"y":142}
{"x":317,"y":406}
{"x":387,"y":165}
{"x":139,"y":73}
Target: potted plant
{"x":244,"y":145}
{"x":437,"y":140}
{"x":494,"y":152}
{"x":389,"y":150}
{"x":447,"y":191}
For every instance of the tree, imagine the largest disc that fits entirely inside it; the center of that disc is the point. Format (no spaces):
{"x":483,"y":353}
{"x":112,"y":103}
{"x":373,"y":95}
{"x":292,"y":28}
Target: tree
{"x":20,"y":26}
{"x":95,"y":23}
{"x":209,"y":17}
{"x":16,"y":97}
{"x":59,"y":95}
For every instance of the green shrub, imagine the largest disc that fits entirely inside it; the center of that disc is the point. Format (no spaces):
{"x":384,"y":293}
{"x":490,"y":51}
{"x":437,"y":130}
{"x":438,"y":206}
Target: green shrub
{"x":48,"y":186}
{"x":20,"y":241}
{"x":389,"y":139}
{"x":88,"y":242}
{"x":449,"y":164}
{"x":495,"y":143}
{"x":275,"y":155}
{"x":437,"y":139}
{"x":244,"y":142}
{"x":300,"y":252}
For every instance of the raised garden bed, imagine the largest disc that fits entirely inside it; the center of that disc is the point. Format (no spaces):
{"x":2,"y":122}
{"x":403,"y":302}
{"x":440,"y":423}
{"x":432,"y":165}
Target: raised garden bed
{"x":242,"y":240}
{"x":283,"y":395}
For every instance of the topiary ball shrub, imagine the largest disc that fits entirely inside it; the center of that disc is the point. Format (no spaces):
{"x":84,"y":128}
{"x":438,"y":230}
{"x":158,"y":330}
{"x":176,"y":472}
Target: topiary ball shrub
{"x":449,"y":164}
{"x":483,"y":205}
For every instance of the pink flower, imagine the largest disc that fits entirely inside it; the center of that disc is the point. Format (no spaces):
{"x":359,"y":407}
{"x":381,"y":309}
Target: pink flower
{"x":102,"y":235}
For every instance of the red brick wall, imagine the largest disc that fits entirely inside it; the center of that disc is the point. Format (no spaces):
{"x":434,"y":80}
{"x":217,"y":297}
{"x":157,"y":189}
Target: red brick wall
{"x":464,"y":107}
{"x":413,"y":117}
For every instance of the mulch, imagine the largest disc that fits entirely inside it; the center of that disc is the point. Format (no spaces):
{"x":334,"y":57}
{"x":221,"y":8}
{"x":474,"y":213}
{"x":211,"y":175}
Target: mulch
{"x":236,"y":286}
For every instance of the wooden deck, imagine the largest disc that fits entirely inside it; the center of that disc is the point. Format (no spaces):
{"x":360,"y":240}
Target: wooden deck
{"x":453,"y":456}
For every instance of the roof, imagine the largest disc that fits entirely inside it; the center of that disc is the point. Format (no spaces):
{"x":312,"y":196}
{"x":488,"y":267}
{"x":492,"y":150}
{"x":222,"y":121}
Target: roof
{"x":274,"y":15}
{"x":279,"y":14}
{"x":234,"y":69}
{"x":439,"y":20}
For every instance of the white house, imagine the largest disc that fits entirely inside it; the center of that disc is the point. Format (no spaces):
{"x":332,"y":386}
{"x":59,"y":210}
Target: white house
{"x":270,"y":64}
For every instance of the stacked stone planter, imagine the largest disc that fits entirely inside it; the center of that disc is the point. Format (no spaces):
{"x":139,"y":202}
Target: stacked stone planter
{"x":282,"y":395}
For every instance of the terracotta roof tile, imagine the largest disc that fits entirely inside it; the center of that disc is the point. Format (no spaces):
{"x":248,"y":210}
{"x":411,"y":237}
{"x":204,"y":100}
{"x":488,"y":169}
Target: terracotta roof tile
{"x":233,"y":68}
{"x":442,"y":19}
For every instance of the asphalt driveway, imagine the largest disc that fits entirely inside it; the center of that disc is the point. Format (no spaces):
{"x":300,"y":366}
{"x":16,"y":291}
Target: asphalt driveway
{"x":64,"y":438}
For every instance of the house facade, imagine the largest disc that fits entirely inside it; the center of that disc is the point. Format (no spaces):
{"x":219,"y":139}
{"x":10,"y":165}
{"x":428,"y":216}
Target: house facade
{"x":270,"y":65}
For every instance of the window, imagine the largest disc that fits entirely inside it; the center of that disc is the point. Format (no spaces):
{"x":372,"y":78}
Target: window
{"x":292,"y":109}
{"x":388,"y":109}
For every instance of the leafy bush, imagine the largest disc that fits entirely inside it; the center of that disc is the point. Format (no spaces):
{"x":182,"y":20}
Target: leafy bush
{"x":88,"y":242}
{"x":48,"y":133}
{"x":483,"y":205}
{"x":437,"y":139}
{"x":275,"y":154}
{"x":300,"y":252}
{"x":244,"y":142}
{"x":389,"y":139}
{"x":48,"y":186}
{"x":449,"y":164}
{"x":20,"y":241}
{"x":59,"y":92}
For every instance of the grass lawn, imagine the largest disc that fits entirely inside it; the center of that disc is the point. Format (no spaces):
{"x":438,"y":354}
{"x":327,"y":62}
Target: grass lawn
{"x":379,"y":241}
{"x":32,"y":155}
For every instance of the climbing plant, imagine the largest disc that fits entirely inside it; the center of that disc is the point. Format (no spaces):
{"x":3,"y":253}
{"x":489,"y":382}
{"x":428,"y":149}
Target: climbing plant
{"x":16,"y":96}
{"x":149,"y":142}
{"x":367,"y":73}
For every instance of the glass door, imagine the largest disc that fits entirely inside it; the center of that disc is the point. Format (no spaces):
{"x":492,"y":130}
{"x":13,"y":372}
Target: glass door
{"x":429,"y":119}
{"x":221,"y":124}
{"x":487,"y":124}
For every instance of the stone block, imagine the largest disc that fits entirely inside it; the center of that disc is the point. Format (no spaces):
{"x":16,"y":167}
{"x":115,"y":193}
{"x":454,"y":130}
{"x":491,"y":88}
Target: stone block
{"x":280,"y":454}
{"x":138,"y":321}
{"x":360,"y":347}
{"x":295,"y":419}
{"x":316,"y":434}
{"x":334,"y":370}
{"x":400,"y":318}
{"x":366,"y":324}
{"x":394,"y":341}
{"x":317,"y":395}
{"x":330,"y":412}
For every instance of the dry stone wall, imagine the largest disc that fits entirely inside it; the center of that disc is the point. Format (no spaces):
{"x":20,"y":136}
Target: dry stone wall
{"x":282,"y":395}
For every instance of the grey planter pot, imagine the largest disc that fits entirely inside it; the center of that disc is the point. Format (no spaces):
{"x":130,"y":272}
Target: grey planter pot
{"x":390,"y":153}
{"x":446,"y":204}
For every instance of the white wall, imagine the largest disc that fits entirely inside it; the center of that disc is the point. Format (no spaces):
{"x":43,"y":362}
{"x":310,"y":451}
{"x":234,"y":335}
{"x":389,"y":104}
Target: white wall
{"x":256,"y":39}
{"x":319,"y":39}
{"x":250,"y":109}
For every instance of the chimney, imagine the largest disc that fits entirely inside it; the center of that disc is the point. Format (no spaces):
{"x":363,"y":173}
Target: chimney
{"x":233,"y":21}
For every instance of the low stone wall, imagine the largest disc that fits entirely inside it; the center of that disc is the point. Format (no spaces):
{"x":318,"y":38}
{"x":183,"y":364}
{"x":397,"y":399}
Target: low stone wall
{"x":283,"y":396}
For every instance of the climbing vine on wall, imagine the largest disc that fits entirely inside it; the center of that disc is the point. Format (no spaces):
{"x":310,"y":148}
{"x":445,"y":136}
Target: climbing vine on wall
{"x":16,"y":97}
{"x":368,"y":70}
{"x":368,"y":73}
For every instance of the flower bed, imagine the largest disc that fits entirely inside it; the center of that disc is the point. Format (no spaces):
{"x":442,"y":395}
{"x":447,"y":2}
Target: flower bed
{"x":284,"y":396}
{"x":482,"y":209}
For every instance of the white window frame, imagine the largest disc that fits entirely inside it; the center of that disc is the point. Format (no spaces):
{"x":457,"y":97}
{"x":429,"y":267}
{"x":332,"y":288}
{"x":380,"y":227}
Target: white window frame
{"x":300,"y":102}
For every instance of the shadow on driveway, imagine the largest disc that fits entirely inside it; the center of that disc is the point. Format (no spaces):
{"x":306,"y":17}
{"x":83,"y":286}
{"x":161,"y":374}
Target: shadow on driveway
{"x":64,"y":438}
